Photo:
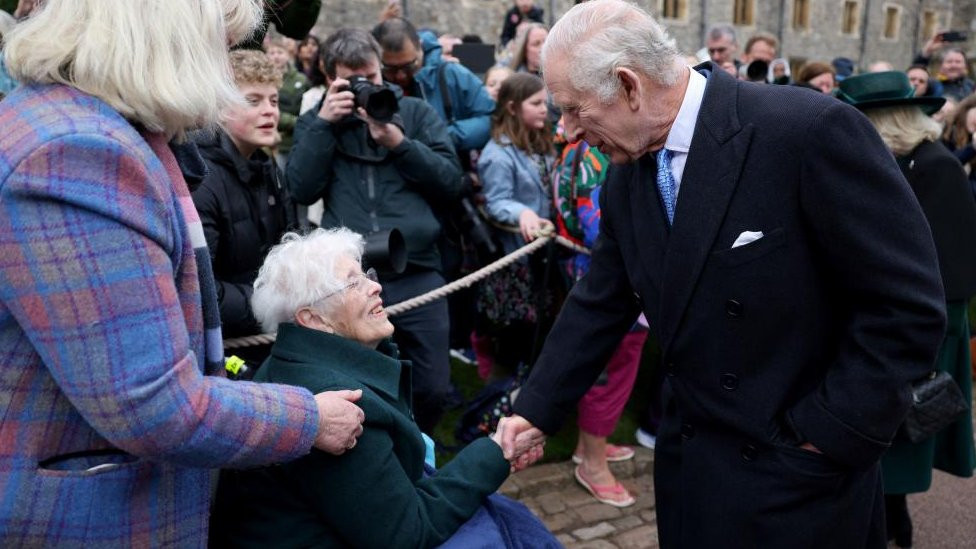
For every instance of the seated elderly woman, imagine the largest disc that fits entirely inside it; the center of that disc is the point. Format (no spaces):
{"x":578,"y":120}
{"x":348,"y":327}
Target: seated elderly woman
{"x":333,"y":333}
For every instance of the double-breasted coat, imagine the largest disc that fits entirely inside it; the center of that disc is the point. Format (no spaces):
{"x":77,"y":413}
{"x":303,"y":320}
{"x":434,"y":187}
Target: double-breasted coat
{"x":811,"y":333}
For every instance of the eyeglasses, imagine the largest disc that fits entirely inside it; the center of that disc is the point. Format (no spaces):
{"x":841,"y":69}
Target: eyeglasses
{"x":369,"y":275}
{"x":407,"y":68}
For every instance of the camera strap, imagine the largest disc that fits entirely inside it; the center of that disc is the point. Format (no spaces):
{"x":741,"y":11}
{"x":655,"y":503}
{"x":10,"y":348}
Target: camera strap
{"x":445,"y":97}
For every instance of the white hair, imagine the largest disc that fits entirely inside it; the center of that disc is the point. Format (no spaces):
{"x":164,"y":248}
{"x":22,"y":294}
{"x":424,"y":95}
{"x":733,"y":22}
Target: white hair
{"x":7,"y":22}
{"x":902,"y":128}
{"x":160,"y":63}
{"x":609,"y":34}
{"x":301,"y":272}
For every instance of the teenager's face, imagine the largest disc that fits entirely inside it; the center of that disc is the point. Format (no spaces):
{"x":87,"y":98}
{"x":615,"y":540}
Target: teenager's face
{"x":255,"y":124}
{"x":533,"y":111}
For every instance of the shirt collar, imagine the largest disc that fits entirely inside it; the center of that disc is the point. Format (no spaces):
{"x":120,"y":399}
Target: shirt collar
{"x":683,"y":129}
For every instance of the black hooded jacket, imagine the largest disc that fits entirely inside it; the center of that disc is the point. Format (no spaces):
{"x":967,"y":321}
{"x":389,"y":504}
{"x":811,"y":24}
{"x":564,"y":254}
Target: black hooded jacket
{"x":244,"y":208}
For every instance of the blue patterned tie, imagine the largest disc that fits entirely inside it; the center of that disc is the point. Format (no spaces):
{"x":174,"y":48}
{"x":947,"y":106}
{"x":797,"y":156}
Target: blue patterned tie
{"x":665,"y":183}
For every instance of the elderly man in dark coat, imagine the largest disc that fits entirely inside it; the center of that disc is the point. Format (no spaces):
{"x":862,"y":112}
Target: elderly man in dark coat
{"x":783,"y":263}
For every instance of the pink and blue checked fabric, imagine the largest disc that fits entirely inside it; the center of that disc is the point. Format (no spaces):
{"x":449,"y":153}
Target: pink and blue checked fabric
{"x":102,"y":340}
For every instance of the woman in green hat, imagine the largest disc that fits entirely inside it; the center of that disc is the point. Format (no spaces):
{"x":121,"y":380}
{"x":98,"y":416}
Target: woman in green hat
{"x":940,"y":184}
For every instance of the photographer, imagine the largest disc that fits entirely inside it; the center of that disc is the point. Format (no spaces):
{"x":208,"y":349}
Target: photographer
{"x":376,"y":175}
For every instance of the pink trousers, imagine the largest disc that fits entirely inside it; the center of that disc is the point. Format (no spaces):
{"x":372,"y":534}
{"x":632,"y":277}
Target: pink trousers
{"x":602,"y":405}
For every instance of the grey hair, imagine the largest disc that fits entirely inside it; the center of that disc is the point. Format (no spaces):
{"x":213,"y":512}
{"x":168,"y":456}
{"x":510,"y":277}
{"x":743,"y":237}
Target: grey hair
{"x":607,"y":35}
{"x":301,"y":272}
{"x":721,"y":30}
{"x":902,"y":128}
{"x":353,"y":48}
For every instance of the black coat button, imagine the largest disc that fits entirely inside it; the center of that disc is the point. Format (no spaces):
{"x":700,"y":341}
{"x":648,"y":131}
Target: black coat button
{"x":733,"y":308}
{"x":730,"y":382}
{"x":750,"y":452}
{"x":669,"y":369}
{"x":687,"y":431}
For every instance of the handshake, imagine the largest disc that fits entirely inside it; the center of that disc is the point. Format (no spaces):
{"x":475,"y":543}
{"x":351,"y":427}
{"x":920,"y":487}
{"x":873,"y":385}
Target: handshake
{"x":521,"y":442}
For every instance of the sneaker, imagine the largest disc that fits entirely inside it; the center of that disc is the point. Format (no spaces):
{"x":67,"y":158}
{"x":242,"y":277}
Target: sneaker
{"x":645,"y":439}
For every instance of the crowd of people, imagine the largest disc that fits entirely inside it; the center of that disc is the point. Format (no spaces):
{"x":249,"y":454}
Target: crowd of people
{"x":218,"y":192}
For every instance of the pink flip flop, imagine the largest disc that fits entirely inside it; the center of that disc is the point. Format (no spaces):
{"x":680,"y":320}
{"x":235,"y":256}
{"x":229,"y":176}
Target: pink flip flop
{"x":616,"y":495}
{"x":614,"y":453}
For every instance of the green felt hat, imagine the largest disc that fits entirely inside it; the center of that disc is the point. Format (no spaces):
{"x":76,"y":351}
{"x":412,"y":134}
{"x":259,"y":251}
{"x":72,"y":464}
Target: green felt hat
{"x":884,"y":89}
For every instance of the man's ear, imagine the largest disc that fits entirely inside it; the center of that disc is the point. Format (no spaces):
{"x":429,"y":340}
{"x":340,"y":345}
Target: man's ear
{"x":630,"y":86}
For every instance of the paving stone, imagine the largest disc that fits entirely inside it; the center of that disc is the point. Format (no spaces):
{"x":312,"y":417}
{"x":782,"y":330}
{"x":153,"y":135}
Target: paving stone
{"x":565,"y":539}
{"x":648,"y":516}
{"x":593,"y":544}
{"x":575,"y":496}
{"x":551,"y":503}
{"x":562,"y":521}
{"x":595,"y":512}
{"x":643,"y":537}
{"x":511,"y":488}
{"x":592,"y":532}
{"x":628,"y":522}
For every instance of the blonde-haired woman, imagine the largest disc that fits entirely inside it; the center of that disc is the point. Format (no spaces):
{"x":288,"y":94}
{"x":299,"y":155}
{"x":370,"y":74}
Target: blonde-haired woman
{"x":939,"y":183}
{"x":113,"y":412}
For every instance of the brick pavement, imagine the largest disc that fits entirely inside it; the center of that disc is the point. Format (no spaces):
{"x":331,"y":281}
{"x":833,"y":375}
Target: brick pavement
{"x":579,"y":521}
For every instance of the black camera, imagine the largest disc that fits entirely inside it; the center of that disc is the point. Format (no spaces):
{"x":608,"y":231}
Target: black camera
{"x":757,"y":71}
{"x":380,"y":102}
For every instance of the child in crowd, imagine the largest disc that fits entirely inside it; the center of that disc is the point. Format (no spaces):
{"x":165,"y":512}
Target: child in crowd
{"x":514,"y":169}
{"x":243,"y":204}
{"x":494,"y":78}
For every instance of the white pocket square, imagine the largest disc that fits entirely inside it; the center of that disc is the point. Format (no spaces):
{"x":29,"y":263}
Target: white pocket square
{"x":747,"y":237}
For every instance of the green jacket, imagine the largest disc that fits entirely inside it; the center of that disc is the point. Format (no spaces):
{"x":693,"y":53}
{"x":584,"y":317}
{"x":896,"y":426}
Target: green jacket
{"x":374,"y":495}
{"x":367,"y":187}
{"x":293,"y":85}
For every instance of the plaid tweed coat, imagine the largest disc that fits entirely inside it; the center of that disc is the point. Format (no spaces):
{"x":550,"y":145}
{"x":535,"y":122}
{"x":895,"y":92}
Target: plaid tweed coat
{"x":110,"y":425}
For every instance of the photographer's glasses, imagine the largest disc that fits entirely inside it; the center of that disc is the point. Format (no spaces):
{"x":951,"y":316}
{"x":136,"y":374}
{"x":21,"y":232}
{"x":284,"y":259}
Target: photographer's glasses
{"x":406,"y":68}
{"x":356,"y":284}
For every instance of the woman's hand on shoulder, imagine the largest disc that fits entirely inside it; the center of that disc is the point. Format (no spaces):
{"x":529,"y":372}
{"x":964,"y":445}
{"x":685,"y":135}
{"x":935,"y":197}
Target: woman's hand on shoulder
{"x":340,"y":421}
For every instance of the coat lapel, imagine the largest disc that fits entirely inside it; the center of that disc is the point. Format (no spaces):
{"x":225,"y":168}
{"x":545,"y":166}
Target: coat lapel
{"x":718,"y":151}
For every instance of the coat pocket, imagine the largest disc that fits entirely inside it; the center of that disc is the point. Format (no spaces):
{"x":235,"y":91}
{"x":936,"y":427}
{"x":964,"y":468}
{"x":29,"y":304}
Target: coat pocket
{"x":754,"y":250}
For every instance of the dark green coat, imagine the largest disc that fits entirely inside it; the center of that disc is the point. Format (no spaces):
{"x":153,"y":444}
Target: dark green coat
{"x":940,"y":185}
{"x":374,"y":495}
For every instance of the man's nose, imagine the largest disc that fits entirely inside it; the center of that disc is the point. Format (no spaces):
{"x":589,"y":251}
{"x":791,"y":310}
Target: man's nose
{"x":574,"y":132}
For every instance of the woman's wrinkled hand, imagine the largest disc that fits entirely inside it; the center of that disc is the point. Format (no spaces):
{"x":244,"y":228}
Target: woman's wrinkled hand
{"x":340,"y":421}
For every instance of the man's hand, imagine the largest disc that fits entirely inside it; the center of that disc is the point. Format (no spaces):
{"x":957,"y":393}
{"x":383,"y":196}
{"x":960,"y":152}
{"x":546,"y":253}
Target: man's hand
{"x":384,"y":133}
{"x":25,"y":7}
{"x":391,"y":10}
{"x":519,"y":438}
{"x":530,"y":224}
{"x":934,"y":44}
{"x":339,"y":101}
{"x":340,"y":421}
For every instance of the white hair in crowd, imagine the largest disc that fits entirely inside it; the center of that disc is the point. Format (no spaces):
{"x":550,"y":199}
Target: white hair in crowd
{"x":608,"y":34}
{"x":301,"y":272}
{"x":159,"y":63}
{"x":903,"y":127}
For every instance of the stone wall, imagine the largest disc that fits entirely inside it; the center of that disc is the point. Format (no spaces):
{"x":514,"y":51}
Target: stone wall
{"x":822,"y":41}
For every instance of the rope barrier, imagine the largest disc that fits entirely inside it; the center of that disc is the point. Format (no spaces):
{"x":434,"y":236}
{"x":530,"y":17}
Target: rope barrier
{"x":543,"y":237}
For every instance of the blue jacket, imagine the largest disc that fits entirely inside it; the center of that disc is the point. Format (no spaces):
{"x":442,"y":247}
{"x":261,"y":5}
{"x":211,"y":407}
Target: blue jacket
{"x":511,"y":184}
{"x":471,"y":105}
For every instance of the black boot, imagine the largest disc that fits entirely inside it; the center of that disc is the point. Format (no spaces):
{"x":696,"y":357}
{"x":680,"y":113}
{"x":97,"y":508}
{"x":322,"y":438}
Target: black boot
{"x":898,"y":523}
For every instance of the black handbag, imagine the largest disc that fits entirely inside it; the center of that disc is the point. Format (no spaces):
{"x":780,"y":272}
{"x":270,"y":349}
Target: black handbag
{"x":936,"y":403}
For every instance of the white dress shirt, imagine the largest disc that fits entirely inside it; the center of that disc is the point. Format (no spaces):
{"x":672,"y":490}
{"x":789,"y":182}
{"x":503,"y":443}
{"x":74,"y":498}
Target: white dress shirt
{"x":683,"y":129}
